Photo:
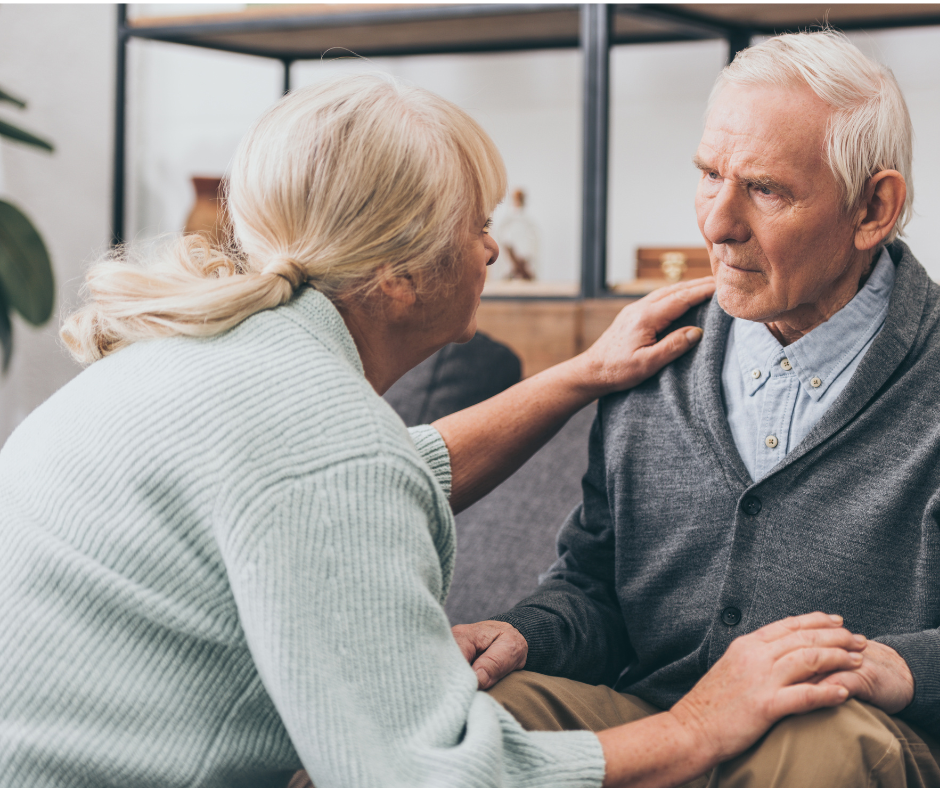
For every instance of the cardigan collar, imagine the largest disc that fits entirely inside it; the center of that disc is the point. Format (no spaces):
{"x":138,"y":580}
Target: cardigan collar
{"x":901,"y":325}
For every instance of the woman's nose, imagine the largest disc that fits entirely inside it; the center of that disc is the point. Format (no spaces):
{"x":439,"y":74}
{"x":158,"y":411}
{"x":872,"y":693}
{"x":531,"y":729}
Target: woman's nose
{"x":493,"y":249}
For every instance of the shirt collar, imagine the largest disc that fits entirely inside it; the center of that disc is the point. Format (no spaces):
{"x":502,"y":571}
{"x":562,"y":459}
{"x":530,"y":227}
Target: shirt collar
{"x":820,"y":356}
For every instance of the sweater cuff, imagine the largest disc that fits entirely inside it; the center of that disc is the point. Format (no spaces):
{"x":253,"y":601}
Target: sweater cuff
{"x":921,"y":652}
{"x":578,"y":756}
{"x":433,"y":451}
{"x":538,"y":633}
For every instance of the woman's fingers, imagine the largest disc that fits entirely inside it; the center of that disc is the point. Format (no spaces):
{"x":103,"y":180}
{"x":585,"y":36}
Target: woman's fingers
{"x":662,"y":307}
{"x":654,"y":357}
{"x":787,"y":626}
{"x":680,"y":287}
{"x":802,"y":698}
{"x":804,"y":663}
{"x":768,"y":674}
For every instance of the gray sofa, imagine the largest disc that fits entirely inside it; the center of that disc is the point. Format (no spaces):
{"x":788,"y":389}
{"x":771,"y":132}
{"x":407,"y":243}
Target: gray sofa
{"x":505,"y":540}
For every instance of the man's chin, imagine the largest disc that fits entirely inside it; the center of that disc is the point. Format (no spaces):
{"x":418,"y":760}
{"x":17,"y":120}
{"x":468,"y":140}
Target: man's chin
{"x":742,"y":304}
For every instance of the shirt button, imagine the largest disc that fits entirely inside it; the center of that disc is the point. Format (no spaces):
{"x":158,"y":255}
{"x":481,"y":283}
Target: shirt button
{"x":731,"y":616}
{"x":771,"y":441}
{"x":751,"y":505}
{"x":815,"y":383}
{"x":755,"y":374}
{"x":786,"y":364}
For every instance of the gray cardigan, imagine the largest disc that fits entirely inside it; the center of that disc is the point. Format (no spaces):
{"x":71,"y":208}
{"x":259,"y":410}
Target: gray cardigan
{"x":675,"y":551}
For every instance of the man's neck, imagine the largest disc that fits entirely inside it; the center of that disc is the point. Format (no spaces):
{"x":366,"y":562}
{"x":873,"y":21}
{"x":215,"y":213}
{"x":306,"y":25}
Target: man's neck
{"x":800,"y":321}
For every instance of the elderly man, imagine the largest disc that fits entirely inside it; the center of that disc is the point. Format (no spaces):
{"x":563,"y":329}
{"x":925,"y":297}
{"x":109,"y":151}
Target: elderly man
{"x":790,"y":463}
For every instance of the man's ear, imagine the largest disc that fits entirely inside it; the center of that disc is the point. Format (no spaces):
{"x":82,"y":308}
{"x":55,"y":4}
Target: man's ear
{"x":399,"y":287}
{"x":884,"y":198}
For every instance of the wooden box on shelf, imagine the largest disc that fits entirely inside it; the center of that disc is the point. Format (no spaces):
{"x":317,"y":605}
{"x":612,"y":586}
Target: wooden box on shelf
{"x":544,"y":333}
{"x":660,"y":265}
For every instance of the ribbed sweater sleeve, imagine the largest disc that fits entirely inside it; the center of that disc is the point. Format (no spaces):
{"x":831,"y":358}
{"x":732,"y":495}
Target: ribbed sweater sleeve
{"x":224,"y":559}
{"x":338,"y":581}
{"x":433,"y":451}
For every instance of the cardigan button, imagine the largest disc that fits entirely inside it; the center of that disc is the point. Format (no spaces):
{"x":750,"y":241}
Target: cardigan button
{"x":731,"y":616}
{"x":751,"y":505}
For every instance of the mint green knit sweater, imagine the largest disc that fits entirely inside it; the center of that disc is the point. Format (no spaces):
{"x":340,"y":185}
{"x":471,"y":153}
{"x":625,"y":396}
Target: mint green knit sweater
{"x":223,"y":559}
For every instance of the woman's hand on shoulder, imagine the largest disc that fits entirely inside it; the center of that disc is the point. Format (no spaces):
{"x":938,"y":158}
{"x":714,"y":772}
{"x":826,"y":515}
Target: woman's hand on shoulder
{"x":629,"y":351}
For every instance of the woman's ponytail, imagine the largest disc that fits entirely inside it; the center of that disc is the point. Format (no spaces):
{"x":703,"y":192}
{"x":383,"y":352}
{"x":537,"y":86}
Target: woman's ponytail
{"x":191,"y":289}
{"x":334,"y":182}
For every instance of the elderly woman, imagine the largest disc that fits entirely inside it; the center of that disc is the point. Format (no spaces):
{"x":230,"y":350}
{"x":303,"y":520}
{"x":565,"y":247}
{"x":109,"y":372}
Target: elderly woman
{"x":224,"y":557}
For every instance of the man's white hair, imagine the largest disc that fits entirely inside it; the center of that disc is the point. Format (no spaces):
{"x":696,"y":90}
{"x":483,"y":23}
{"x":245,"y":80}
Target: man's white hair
{"x":869,"y":129}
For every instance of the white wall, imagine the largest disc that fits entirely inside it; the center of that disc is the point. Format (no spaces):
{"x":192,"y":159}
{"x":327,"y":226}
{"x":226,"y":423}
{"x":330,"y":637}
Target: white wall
{"x":914,"y":57}
{"x":528,"y":102}
{"x":60,"y":59}
{"x":657,"y":101}
{"x":187,"y":109}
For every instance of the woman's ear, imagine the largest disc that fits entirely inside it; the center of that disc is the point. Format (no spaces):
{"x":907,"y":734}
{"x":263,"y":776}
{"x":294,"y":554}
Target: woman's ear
{"x":399,"y":287}
{"x":885,"y":193}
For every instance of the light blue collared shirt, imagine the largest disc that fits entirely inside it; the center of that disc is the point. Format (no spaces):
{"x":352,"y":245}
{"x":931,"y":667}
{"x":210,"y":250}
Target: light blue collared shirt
{"x":774,"y":395}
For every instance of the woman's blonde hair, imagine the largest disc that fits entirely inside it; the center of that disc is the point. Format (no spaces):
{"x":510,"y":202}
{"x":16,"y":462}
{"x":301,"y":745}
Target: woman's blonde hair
{"x":333,"y":183}
{"x":870,"y":128}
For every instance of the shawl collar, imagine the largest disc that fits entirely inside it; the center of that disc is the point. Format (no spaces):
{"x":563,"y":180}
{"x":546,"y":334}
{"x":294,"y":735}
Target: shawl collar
{"x":891,"y":346}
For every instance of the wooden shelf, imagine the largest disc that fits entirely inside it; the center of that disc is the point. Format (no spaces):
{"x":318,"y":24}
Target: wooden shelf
{"x":773,"y":18}
{"x":306,"y":31}
{"x":298,"y":32}
{"x":518,"y":288}
{"x":544,"y":333}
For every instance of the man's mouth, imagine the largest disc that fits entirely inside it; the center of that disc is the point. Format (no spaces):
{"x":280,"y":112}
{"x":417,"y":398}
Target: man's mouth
{"x":736,"y":266}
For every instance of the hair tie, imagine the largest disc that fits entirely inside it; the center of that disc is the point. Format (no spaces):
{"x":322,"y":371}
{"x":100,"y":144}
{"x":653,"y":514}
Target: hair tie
{"x":288,"y":269}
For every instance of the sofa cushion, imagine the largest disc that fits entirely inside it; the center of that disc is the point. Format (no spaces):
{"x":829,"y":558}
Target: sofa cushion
{"x":507,"y":539}
{"x":454,"y":378}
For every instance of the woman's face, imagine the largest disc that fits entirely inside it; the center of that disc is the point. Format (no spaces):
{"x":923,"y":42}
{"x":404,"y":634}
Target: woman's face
{"x":456,"y":312}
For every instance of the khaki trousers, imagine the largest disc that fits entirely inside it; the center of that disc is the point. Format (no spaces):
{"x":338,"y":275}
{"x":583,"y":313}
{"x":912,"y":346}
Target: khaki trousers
{"x":854,"y":745}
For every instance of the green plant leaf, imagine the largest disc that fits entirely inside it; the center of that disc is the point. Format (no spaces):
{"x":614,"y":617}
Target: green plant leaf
{"x":4,"y":96}
{"x":25,"y":269}
{"x":13,"y":133}
{"x":6,"y":331}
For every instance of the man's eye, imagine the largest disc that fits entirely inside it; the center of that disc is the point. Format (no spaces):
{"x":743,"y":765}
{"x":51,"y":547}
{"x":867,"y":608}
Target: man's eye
{"x":763,"y":190}
{"x":712,"y":176}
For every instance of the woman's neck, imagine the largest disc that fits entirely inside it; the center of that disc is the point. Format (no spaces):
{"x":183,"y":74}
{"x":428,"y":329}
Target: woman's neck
{"x":388,"y":346}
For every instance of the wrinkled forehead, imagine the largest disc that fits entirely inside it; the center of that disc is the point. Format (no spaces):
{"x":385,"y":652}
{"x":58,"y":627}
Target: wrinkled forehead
{"x":766,"y":123}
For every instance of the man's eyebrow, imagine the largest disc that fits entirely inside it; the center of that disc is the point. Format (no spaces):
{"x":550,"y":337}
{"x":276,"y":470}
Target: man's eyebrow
{"x":761,"y":181}
{"x":766,"y":182}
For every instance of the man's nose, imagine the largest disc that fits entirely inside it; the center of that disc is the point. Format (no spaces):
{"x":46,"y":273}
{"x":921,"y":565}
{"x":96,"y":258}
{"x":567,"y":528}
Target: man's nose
{"x":725,"y":221}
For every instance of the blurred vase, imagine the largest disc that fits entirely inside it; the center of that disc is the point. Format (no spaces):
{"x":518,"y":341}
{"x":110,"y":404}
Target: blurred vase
{"x":209,"y":214}
{"x":519,"y":239}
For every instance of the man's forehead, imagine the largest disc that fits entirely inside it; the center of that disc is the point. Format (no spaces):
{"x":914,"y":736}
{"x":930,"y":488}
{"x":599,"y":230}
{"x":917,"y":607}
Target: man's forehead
{"x":764,"y":126}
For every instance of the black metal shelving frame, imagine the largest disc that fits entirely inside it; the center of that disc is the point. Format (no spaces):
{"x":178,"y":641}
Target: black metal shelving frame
{"x":598,"y":27}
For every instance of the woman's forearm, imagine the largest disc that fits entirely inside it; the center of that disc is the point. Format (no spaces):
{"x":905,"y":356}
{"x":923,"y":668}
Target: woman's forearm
{"x":655,"y":752}
{"x":490,"y":441}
